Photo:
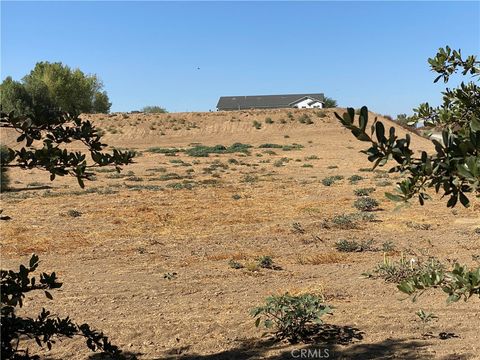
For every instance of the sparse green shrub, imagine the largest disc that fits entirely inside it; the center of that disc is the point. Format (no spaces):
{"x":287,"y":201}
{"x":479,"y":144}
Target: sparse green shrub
{"x":236,"y":197}
{"x":234,"y":264}
{"x":162,"y":150}
{"x":265,"y":262}
{"x":363,"y":191}
{"x":355,"y":178}
{"x":292,"y":147}
{"x":305,"y":119}
{"x":257,"y":125}
{"x":249,"y":178}
{"x":74,"y":213}
{"x":281,"y":162}
{"x":269,"y":121}
{"x":307,"y":165}
{"x":425,"y":317}
{"x":366,"y":204}
{"x":403,"y":269}
{"x":205,"y":151}
{"x":270,"y":146}
{"x":291,"y":316}
{"x":330,"y":180}
{"x":353,"y":246}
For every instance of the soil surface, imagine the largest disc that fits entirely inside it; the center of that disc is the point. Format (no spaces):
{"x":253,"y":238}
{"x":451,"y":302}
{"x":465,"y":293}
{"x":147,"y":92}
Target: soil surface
{"x":145,"y":255}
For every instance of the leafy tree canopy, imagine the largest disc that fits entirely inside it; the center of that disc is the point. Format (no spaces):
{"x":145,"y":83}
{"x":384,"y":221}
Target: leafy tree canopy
{"x":329,"y":102}
{"x":54,"y":85}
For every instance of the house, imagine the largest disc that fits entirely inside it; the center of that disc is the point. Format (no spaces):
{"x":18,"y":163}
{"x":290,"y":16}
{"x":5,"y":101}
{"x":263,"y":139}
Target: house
{"x":301,"y":101}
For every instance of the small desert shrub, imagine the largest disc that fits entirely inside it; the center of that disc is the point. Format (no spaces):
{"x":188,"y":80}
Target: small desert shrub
{"x":234,"y":264}
{"x":162,"y":150}
{"x":397,"y":271}
{"x":236,"y":197}
{"x":418,"y":226}
{"x":312,"y":157}
{"x":363,"y":191}
{"x":291,"y":316}
{"x":355,"y":178}
{"x":305,"y":119}
{"x":265,"y":262}
{"x":332,"y":167}
{"x":269,"y":121}
{"x":344,"y":221}
{"x":270,"y":146}
{"x":249,"y":179}
{"x":74,"y":213}
{"x":365,"y":169}
{"x":307,"y":165}
{"x":366,"y":204}
{"x":159,"y":169}
{"x":330,"y":180}
{"x":281,"y":162}
{"x":353,"y":246}
{"x":205,"y":151}
{"x":292,"y":147}
{"x":257,"y":125}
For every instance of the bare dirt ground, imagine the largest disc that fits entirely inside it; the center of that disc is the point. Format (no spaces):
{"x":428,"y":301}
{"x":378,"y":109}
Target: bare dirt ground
{"x":135,"y":229}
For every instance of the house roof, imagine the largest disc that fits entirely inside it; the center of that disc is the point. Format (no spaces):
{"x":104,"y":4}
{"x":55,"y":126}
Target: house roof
{"x":263,"y":101}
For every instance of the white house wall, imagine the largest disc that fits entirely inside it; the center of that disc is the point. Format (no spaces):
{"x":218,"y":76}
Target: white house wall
{"x":304,"y":104}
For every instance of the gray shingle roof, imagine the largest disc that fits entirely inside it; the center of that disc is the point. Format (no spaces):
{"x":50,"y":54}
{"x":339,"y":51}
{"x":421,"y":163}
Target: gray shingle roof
{"x":262,"y":101}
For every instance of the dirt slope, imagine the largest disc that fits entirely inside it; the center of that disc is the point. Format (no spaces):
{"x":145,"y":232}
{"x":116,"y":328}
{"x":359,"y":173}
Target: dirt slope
{"x":133,"y":229}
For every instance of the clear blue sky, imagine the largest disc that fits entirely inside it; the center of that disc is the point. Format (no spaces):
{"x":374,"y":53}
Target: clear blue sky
{"x":147,"y":53}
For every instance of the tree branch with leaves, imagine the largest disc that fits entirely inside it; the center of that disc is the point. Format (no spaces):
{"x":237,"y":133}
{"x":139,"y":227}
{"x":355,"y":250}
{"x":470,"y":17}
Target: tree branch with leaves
{"x":454,"y":168}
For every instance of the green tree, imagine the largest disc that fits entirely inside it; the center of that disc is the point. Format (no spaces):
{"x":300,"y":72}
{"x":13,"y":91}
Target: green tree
{"x":56,"y":86}
{"x":454,"y":168}
{"x":154,"y":110}
{"x":101,"y":104}
{"x":329,"y":103}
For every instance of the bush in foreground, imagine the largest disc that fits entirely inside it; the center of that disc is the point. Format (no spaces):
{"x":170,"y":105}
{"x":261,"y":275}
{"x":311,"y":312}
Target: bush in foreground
{"x":46,"y":328}
{"x":291,"y":316}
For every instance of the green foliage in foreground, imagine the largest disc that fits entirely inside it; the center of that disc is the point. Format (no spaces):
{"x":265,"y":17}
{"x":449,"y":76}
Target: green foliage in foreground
{"x":458,"y":283}
{"x":291,"y":316}
{"x":46,"y":328}
{"x":55,"y":129}
{"x":454,"y":168}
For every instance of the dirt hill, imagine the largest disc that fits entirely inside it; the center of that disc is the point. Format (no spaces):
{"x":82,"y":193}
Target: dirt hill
{"x":146,"y":255}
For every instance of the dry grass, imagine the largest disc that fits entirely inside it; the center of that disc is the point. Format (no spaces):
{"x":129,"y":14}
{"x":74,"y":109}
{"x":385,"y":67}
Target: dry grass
{"x":112,"y":258}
